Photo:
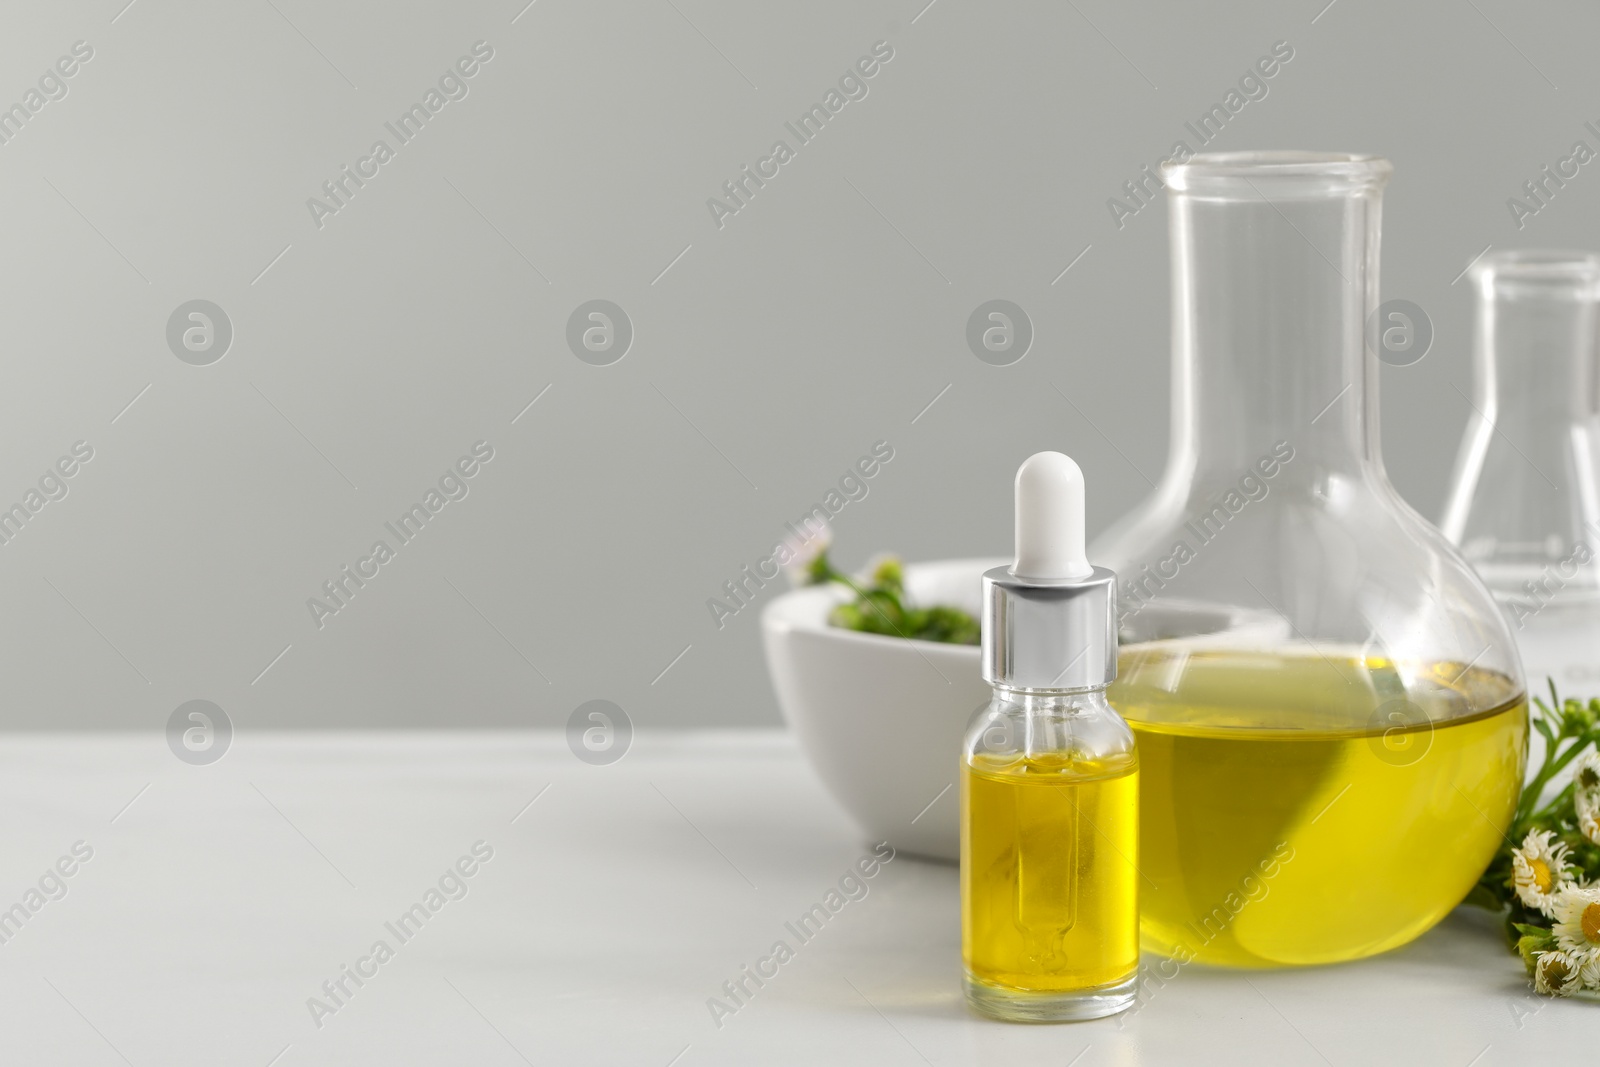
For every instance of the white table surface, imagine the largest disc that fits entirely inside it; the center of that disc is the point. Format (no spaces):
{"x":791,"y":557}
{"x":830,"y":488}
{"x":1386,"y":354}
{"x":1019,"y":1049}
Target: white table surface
{"x":222,"y":897}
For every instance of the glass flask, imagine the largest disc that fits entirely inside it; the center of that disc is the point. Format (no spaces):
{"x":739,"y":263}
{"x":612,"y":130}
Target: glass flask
{"x":1524,"y":504}
{"x":1329,"y":707}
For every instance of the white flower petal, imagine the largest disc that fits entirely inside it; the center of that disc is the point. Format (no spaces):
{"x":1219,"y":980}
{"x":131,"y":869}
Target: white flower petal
{"x":1586,"y":773}
{"x":1572,"y":914}
{"x":809,"y":542}
{"x":1588,"y":807}
{"x":1590,"y":974}
{"x":1536,"y":851}
{"x":1556,"y":974}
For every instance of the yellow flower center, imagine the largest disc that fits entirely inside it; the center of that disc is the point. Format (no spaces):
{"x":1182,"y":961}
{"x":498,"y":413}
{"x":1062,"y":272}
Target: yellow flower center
{"x":1589,"y":922}
{"x":1555,"y":970}
{"x":1541,"y":875}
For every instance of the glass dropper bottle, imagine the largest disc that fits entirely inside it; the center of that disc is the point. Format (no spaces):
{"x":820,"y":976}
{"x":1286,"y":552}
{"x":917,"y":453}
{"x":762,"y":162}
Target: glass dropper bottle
{"x":1049,"y":778}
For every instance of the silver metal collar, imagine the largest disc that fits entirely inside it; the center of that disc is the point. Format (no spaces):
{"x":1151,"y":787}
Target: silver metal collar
{"x":1049,"y":635}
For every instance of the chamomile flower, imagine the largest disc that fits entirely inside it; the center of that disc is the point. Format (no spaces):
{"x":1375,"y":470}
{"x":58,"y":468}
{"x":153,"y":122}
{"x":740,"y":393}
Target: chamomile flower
{"x":1588,"y":808}
{"x":1586,"y":772}
{"x":1577,"y":922}
{"x":1539,"y":869}
{"x":1556,"y":974}
{"x":803,"y":550}
{"x":1591,"y":974}
{"x":1586,"y":794}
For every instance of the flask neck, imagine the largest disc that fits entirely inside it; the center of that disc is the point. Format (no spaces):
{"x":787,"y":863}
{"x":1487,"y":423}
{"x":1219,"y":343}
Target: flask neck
{"x":1274,"y":273}
{"x":1526,"y":489}
{"x":1534,"y":339}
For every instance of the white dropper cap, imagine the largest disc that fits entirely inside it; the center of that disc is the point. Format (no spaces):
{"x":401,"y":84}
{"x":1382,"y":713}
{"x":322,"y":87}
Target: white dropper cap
{"x":1049,"y":619}
{"x":1049,"y":501}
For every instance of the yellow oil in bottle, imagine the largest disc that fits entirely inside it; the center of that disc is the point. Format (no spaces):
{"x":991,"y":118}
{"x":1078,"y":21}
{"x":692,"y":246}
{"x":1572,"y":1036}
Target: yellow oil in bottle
{"x":1302,"y":808}
{"x":1049,"y":888}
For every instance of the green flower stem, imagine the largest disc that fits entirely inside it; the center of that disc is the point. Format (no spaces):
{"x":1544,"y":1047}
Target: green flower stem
{"x":1558,"y":723}
{"x":1559,"y":801}
{"x":1551,"y":768}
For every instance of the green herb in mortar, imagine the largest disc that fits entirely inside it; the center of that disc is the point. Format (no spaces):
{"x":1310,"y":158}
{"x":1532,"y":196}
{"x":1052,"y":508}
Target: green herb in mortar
{"x":880,"y":605}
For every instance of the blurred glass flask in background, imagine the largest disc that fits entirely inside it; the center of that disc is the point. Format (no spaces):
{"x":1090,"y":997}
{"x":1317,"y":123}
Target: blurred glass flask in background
{"x":1524,"y":504}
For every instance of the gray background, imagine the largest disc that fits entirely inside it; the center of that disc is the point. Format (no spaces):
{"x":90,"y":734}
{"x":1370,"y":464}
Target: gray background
{"x":825,"y":316}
